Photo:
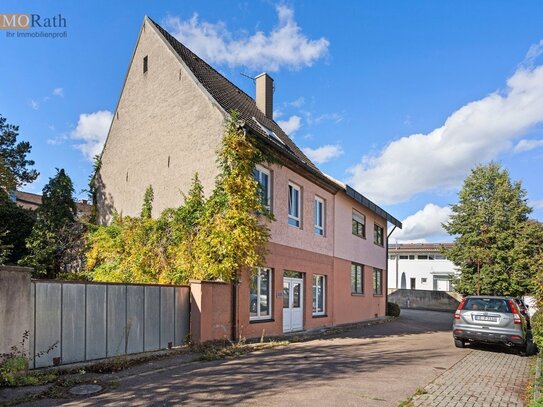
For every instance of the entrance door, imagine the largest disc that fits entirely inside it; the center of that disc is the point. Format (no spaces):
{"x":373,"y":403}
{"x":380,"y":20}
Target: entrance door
{"x":293,"y":304}
{"x":413,"y":283}
{"x":441,"y":284}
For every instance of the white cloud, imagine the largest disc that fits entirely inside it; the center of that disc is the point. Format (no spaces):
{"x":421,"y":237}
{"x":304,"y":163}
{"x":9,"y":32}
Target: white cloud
{"x":323,"y":154}
{"x":527,"y":145}
{"x":58,"y":92}
{"x":475,"y":133}
{"x":291,"y":125}
{"x":92,"y":129}
{"x":423,"y":224}
{"x":311,"y":119}
{"x":277,"y":113}
{"x":297,"y":103}
{"x":285,"y":46}
{"x":34,"y":105}
{"x":537,"y":204}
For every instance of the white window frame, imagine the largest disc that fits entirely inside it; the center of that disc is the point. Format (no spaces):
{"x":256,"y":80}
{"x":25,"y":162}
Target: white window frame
{"x":264,"y":170}
{"x":362,"y":270}
{"x":258,"y":317}
{"x":319,"y":229}
{"x":298,"y":218}
{"x":316,"y":278}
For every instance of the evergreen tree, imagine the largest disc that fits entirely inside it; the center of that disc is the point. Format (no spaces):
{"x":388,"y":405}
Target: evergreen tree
{"x":16,"y":225}
{"x":57,"y":212}
{"x":14,"y":170}
{"x":147,"y":208}
{"x":488,"y":222}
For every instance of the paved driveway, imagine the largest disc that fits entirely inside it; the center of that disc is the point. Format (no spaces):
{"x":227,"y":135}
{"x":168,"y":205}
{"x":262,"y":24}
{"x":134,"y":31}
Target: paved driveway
{"x":378,"y":365}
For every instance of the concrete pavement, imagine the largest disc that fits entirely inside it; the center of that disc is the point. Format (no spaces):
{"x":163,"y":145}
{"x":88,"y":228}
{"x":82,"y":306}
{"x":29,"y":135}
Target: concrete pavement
{"x":378,"y":365}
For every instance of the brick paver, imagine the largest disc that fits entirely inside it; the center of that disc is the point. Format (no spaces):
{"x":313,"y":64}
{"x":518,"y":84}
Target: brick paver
{"x":482,"y":378}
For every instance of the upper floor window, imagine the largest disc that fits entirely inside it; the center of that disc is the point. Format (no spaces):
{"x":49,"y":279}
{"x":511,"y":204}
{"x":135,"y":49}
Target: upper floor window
{"x":263,"y":177}
{"x":145,"y":64}
{"x":378,"y":235}
{"x":357,"y":278}
{"x":294,"y":205}
{"x":359,"y":224}
{"x":377,"y":281}
{"x":319,"y":216}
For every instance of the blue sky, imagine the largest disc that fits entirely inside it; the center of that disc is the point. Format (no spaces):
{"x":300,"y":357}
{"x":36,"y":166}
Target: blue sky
{"x":399,"y":99}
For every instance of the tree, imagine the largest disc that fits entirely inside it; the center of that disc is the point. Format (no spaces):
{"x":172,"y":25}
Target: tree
{"x":14,"y":170}
{"x":16,"y":225}
{"x":488,"y":223}
{"x":528,"y":252}
{"x":234,"y":232}
{"x":57,"y":212}
{"x":211,"y":239}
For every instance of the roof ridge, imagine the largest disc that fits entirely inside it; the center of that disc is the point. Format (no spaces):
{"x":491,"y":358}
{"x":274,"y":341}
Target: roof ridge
{"x":164,"y":31}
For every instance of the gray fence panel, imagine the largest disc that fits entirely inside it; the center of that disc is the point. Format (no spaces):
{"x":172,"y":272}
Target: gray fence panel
{"x":116,"y":320}
{"x":167,"y":318}
{"x":48,"y":323}
{"x":134,"y":322}
{"x":182,"y":299}
{"x":96,"y":322}
{"x":73,"y":323}
{"x":152,"y":318}
{"x":32,"y":322}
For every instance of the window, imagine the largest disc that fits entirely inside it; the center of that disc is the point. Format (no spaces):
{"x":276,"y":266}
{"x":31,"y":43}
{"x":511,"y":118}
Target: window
{"x":411,"y":257}
{"x":319,"y":216}
{"x":359,"y":224}
{"x":262,"y":176}
{"x":430,"y":257}
{"x":378,"y":235}
{"x":260,"y":294}
{"x":423,"y":280}
{"x":319,"y":294}
{"x":357,"y":278}
{"x":422,"y":257}
{"x":145,"y":65}
{"x":440,"y":257}
{"x":377,"y":281}
{"x":404,"y":257}
{"x":294,"y":200}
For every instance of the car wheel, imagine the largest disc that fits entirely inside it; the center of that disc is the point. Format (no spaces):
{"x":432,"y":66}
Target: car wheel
{"x":459,"y":343}
{"x":530,"y":349}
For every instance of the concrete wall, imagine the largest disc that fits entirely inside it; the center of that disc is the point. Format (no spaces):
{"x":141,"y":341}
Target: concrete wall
{"x":211,"y":311}
{"x":15,"y":310}
{"x":164,"y":130}
{"x":425,"y":299}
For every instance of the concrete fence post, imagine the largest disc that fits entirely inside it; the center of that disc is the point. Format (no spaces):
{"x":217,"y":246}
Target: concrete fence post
{"x":211,"y":311}
{"x":15,"y":307}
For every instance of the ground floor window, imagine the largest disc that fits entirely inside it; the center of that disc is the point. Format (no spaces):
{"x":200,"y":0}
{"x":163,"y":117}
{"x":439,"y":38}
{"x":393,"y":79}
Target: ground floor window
{"x":319,"y":295}
{"x":260,"y":294}
{"x":357,"y":278}
{"x":377,"y":281}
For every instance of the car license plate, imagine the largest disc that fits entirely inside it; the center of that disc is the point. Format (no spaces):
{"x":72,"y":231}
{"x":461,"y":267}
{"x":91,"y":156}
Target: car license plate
{"x":486,"y":318}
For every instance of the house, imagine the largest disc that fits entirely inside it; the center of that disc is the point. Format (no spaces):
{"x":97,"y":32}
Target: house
{"x":327,"y":253}
{"x":420,"y":266}
{"x":32,"y":201}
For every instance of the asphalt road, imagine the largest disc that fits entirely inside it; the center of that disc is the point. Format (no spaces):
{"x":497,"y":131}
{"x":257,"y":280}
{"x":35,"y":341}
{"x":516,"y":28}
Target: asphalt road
{"x":378,"y":365}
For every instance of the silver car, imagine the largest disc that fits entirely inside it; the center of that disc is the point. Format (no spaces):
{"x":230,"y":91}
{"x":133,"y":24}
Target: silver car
{"x":492,"y":320}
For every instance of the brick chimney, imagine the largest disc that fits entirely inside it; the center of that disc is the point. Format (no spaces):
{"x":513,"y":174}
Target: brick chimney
{"x":264,"y":94}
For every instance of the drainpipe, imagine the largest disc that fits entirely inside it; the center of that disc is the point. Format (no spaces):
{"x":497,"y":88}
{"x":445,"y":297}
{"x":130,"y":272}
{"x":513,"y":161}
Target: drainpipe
{"x":386,"y":259}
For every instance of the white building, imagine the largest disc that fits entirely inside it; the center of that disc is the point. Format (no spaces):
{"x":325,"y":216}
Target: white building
{"x":420,"y":266}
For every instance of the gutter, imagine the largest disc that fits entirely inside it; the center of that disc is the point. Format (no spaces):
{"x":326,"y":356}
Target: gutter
{"x":386,"y":262}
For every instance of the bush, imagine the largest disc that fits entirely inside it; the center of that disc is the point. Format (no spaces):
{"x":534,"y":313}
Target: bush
{"x":393,"y":309}
{"x":537,"y":329}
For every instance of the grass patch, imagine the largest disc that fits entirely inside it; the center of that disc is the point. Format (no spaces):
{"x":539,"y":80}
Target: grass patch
{"x":408,"y":402}
{"x":223,"y":350}
{"x":14,"y":373}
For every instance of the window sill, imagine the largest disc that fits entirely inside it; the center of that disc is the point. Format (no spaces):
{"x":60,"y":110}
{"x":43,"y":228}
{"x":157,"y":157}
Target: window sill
{"x":320,"y":316}
{"x":357,"y":294}
{"x":378,"y":295}
{"x":361,"y":237}
{"x":261,"y":321}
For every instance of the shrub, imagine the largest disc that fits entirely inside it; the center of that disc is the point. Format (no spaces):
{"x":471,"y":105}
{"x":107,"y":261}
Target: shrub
{"x":393,"y":309}
{"x":537,"y":329}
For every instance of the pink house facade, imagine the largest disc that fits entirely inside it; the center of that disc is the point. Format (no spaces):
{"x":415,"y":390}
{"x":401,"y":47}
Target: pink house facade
{"x":327,"y":256}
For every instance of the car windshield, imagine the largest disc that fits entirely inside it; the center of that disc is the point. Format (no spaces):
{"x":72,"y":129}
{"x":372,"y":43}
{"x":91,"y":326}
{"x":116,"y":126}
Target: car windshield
{"x":487,"y":304}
